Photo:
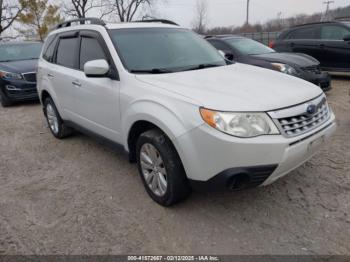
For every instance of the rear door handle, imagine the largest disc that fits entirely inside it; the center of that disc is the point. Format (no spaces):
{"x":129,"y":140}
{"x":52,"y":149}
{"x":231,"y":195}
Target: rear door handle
{"x":50,"y":75}
{"x":322,"y":45}
{"x":76,"y":83}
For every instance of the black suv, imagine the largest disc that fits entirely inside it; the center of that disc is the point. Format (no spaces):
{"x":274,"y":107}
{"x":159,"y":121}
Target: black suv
{"x":328,"y":42}
{"x":18,"y":65}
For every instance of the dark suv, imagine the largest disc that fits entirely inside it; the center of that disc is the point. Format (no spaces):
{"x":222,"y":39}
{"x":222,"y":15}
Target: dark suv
{"x":328,"y":42}
{"x":18,"y":65}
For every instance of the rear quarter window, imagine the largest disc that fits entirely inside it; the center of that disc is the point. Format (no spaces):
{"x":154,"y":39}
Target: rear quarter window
{"x":49,"y":48}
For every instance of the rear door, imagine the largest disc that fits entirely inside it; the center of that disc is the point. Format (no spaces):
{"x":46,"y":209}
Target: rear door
{"x":336,"y":55}
{"x":97,"y":98}
{"x":63,"y":72}
{"x":305,"y":40}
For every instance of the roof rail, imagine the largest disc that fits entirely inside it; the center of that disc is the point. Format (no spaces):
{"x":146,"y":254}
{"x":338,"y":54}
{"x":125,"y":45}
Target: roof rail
{"x":163,"y":21}
{"x":92,"y":20}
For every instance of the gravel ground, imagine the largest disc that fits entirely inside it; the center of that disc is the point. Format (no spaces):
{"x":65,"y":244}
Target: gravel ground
{"x":77,"y":196}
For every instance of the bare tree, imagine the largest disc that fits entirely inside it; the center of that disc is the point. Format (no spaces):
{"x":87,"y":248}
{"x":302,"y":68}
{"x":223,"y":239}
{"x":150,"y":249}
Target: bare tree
{"x":201,"y":18}
{"x":80,"y":8}
{"x":128,"y":9}
{"x":9,"y":12}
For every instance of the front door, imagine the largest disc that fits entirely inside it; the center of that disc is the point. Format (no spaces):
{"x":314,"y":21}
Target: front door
{"x":97,"y":98}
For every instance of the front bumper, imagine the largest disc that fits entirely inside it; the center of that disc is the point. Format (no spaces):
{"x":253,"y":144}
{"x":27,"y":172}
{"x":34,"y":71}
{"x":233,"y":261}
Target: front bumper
{"x":207,"y":154}
{"x":323,"y":80}
{"x":19,"y":90}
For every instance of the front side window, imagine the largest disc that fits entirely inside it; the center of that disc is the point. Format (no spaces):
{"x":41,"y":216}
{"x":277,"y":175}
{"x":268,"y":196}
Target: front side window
{"x":333,"y":32}
{"x":90,"y":50}
{"x":18,"y":52}
{"x":67,"y":52}
{"x":164,"y":49}
{"x":304,"y":33}
{"x":248,"y":46}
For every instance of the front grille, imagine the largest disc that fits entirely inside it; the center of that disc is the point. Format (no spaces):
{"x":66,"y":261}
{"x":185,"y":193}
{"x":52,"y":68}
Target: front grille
{"x":30,"y":77}
{"x":313,"y":69}
{"x":299,"y":124}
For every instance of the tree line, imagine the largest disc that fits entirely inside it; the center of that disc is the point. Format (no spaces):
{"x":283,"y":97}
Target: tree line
{"x":33,"y":19}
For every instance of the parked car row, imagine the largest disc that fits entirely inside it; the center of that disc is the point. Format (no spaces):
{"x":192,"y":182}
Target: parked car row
{"x":302,"y":51}
{"x":187,"y":116}
{"x":247,"y":51}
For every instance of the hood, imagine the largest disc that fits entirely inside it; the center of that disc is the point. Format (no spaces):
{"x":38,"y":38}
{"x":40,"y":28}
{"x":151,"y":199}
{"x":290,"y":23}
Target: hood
{"x":22,"y":66}
{"x":299,"y":60}
{"x":236,"y":87}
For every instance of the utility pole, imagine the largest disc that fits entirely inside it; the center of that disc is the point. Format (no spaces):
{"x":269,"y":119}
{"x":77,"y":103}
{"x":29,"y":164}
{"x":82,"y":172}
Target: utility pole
{"x":325,"y":18}
{"x":247,"y":22}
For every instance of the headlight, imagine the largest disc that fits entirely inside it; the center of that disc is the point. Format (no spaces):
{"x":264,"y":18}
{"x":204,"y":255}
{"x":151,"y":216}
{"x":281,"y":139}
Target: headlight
{"x":287,"y":69}
{"x":10,"y":76}
{"x":240,"y":124}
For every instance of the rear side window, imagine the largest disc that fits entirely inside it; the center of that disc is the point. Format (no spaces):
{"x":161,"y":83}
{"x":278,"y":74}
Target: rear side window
{"x":90,"y":50}
{"x":333,"y":32}
{"x":67,"y":54}
{"x":49,"y":48}
{"x":304,"y":33}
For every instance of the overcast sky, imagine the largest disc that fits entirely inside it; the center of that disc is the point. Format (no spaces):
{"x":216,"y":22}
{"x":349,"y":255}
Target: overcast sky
{"x":233,"y":12}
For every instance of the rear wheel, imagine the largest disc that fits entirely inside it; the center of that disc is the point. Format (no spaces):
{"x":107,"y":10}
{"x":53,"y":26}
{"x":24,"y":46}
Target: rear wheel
{"x":161,"y":169}
{"x":55,"y":122}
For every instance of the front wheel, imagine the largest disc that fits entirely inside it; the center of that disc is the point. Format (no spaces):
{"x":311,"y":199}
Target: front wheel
{"x":160,"y":168}
{"x":55,"y":122}
{"x":5,"y":102}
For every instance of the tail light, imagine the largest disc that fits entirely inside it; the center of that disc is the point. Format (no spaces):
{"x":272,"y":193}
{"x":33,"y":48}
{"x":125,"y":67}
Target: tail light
{"x":272,"y":44}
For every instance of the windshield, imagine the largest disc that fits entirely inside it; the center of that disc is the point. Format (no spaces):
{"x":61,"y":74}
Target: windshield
{"x":18,"y":52}
{"x":164,"y":50}
{"x":249,"y":47}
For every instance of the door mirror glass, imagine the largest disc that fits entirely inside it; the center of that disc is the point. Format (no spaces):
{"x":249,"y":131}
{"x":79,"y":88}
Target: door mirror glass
{"x":347,"y":38}
{"x":96,"y":68}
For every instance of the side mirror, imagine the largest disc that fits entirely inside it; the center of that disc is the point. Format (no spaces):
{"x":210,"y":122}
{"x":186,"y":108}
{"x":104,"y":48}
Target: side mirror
{"x":347,"y":38}
{"x":96,"y":68}
{"x":227,"y":56}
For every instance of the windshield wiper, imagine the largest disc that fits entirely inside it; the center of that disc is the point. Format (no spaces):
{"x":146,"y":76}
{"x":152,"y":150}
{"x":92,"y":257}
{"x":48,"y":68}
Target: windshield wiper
{"x":201,"y":66}
{"x":151,"y":71}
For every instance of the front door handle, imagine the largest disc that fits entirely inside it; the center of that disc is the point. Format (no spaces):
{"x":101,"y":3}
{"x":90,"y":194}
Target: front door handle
{"x":50,"y":75}
{"x":322,"y":45}
{"x":76,"y":83}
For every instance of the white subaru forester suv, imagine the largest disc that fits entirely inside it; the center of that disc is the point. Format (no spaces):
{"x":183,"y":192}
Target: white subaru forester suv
{"x":189,"y":118}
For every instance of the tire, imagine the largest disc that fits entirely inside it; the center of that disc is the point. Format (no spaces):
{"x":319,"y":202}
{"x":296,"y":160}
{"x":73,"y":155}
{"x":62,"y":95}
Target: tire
{"x":168,"y":162}
{"x":54,"y":120}
{"x":5,"y":102}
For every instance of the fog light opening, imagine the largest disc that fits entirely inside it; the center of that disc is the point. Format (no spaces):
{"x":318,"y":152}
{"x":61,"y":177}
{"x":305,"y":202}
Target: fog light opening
{"x":238,"y":182}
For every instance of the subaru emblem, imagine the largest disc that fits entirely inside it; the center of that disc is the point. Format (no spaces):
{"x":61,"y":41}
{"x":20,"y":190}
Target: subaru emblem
{"x":311,"y":109}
